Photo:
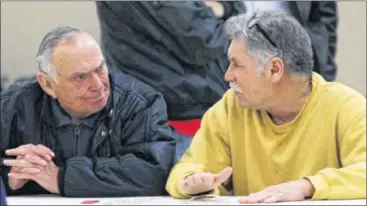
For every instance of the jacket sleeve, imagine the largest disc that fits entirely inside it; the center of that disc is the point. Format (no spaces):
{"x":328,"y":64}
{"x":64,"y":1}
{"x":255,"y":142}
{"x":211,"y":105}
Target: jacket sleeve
{"x":140,"y":170}
{"x":348,"y":181}
{"x":8,"y":132}
{"x":10,"y":137}
{"x":7,"y":135}
{"x":210,"y":142}
{"x":325,"y":13}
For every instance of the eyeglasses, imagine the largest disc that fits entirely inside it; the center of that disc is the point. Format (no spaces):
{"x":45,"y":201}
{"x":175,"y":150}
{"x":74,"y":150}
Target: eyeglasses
{"x":261,"y":30}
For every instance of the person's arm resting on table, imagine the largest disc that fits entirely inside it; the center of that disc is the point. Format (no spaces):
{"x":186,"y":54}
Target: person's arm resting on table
{"x":348,"y":181}
{"x":141,"y":169}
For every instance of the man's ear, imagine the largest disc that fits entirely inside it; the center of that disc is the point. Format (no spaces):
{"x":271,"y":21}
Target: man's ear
{"x":45,"y":82}
{"x":275,"y":69}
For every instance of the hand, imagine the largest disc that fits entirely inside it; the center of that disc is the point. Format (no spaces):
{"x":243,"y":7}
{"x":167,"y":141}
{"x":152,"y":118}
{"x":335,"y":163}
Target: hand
{"x":217,"y":8}
{"x":27,"y":159}
{"x":30,"y":149}
{"x":203,"y":182}
{"x":47,"y":176}
{"x":289,"y":191}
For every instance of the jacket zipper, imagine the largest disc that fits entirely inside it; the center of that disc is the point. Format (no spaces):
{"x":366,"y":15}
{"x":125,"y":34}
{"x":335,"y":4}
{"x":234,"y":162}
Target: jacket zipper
{"x":76,"y":134}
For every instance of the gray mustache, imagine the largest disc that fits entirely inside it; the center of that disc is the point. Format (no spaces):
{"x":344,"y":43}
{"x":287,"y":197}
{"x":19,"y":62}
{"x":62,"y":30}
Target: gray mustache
{"x":235,"y":87}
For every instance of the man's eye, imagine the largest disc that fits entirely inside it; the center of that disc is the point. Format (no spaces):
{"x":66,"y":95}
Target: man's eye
{"x":233,"y":64}
{"x":101,"y":69}
{"x":81,"y":77}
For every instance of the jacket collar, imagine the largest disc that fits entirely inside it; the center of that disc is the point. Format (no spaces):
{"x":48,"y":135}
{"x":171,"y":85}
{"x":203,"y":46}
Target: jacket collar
{"x":52,"y":113}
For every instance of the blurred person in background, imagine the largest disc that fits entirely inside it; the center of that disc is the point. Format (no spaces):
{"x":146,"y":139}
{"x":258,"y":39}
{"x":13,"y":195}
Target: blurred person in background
{"x":177,"y":47}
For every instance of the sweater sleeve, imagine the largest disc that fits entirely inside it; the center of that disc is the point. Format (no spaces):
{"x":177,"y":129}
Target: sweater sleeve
{"x":209,"y":143}
{"x":348,"y":181}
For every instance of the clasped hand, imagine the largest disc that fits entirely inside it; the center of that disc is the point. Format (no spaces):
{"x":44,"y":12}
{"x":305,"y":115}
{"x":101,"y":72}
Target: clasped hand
{"x":32,"y":163}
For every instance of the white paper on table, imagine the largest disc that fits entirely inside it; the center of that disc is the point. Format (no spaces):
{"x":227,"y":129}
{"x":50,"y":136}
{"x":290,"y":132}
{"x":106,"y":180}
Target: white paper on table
{"x":171,"y":201}
{"x":218,"y":200}
{"x":163,"y":200}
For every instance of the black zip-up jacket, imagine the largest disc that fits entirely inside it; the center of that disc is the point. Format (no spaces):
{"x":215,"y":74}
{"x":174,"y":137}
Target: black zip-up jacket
{"x":126,"y":149}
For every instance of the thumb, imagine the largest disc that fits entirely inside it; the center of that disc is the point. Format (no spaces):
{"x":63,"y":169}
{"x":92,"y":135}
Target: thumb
{"x":222,"y":176}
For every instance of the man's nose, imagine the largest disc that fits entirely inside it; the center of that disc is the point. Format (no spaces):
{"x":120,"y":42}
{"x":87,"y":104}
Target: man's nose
{"x":229,"y":75}
{"x":95,"y":82}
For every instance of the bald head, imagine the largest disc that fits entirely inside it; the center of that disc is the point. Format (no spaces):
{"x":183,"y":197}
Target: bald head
{"x":76,"y":51}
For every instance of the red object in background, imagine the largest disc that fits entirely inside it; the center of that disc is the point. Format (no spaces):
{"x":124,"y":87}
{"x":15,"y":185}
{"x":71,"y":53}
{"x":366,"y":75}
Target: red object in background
{"x":186,"y":127}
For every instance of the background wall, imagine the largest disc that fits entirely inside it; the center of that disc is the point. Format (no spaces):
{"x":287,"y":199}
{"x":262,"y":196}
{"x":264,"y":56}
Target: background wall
{"x":23,"y":24}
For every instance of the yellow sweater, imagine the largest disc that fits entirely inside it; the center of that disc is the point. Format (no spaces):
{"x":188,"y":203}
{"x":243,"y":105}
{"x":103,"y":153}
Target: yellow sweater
{"x":326,"y":142}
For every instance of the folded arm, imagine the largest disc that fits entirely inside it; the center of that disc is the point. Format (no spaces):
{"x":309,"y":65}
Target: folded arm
{"x":140,"y":168}
{"x":126,"y":175}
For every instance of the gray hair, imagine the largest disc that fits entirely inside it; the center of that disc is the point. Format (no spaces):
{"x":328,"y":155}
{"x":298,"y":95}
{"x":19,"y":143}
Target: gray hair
{"x":288,"y":40}
{"x":48,"y":44}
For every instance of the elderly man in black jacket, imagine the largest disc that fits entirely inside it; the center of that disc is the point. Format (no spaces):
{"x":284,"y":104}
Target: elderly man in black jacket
{"x":78,"y":131}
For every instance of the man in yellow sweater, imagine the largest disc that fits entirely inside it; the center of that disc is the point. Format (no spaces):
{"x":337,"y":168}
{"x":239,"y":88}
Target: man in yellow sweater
{"x":282,"y":133}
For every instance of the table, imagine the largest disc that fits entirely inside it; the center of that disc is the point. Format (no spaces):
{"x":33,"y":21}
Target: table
{"x":163,"y":200}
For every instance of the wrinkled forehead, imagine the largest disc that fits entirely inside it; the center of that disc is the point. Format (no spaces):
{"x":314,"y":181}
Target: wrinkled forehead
{"x":81,"y":53}
{"x":237,"y":48}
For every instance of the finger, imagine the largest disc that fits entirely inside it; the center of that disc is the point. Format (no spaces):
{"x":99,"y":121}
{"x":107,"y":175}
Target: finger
{"x":245,"y":200}
{"x":16,"y":175}
{"x":29,"y":170}
{"x":183,"y":185}
{"x":259,"y":198}
{"x":222,"y":176}
{"x":17,"y":163}
{"x":197,"y":179}
{"x":17,"y":151}
{"x":43,"y":152}
{"x":190,"y":180}
{"x":273,"y":198}
{"x":26,"y":146}
{"x":187,"y":185}
{"x":208,"y":179}
{"x":35,"y":159}
{"x":252,"y":197}
{"x":193,"y":184}
{"x":20,"y":151}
